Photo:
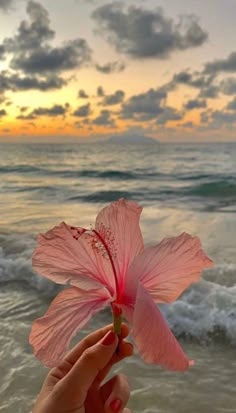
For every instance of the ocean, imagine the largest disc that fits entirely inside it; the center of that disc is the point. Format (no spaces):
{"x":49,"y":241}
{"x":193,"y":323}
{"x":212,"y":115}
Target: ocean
{"x":182,"y":187}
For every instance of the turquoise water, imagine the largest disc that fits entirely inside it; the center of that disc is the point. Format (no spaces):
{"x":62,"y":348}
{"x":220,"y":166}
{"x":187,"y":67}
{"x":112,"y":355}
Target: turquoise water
{"x":182,"y":187}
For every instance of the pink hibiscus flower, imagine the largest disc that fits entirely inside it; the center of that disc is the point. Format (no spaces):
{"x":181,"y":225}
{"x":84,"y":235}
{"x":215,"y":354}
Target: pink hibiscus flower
{"x":108,"y":265}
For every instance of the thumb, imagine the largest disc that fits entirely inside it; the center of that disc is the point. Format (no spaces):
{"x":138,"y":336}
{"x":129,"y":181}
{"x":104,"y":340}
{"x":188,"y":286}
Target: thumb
{"x":94,"y":358}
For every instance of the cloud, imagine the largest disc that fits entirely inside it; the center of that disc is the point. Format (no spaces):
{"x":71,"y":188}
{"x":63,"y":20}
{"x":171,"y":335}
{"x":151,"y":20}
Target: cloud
{"x":32,"y":52}
{"x":222,"y":65}
{"x":149,"y":106}
{"x":82,"y":94}
{"x":228,"y":86}
{"x":195,"y":104}
{"x":110,"y":67}
{"x":198,"y":80}
{"x":30,"y":116}
{"x":195,"y":79}
{"x":85,"y":122}
{"x":183,"y":77}
{"x":14,"y":82}
{"x":113,"y":99}
{"x":220,"y":118}
{"x":5,"y":4}
{"x":73,"y":54}
{"x":82,"y":111}
{"x":2,"y":96}
{"x":24,"y":109}
{"x":144,"y":106}
{"x":168,"y":114}
{"x":100,"y":91}
{"x":142,"y":33}
{"x":211,"y":92}
{"x":205,"y":116}
{"x":104,"y":119}
{"x":2,"y":51}
{"x":232,"y":105}
{"x":55,"y":110}
{"x":31,"y":34}
{"x":2,"y":113}
{"x":187,"y":124}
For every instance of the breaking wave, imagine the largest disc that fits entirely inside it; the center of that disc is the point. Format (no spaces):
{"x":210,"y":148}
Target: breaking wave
{"x":206,"y":312}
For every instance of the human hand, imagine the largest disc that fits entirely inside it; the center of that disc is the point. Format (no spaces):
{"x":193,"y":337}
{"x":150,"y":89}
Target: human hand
{"x":74,"y":386}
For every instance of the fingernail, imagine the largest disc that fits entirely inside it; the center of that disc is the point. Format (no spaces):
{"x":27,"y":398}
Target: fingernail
{"x":115,"y":405}
{"x":109,"y":338}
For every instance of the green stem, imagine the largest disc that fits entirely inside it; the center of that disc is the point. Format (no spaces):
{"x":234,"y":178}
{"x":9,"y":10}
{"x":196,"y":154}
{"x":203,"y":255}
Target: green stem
{"x":117,"y":319}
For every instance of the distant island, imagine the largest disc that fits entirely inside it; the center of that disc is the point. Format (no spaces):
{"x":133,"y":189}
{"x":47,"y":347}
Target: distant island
{"x":131,"y":139}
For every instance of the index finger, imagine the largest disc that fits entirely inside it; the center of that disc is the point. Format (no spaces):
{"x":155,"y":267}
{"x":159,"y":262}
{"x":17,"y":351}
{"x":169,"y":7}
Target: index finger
{"x":92,"y":339}
{"x":57,"y":373}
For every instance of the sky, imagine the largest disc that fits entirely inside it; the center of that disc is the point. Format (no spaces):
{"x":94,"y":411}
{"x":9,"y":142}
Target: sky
{"x":80,"y":70}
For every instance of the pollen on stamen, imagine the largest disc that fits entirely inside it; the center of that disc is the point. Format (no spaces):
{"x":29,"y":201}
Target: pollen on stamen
{"x":106,"y":234}
{"x":77,"y":232}
{"x":96,"y":244}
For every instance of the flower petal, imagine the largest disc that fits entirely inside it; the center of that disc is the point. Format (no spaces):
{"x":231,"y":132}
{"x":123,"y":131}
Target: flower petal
{"x":155,"y":342}
{"x":167,"y":269}
{"x":118,"y":225}
{"x":69,"y":255}
{"x":68,"y":313}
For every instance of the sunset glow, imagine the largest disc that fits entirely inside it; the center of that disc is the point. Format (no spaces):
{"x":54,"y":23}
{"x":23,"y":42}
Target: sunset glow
{"x":89,"y":69}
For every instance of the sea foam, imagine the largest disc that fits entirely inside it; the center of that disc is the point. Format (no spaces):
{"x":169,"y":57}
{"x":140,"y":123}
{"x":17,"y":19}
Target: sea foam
{"x":205,"y":312}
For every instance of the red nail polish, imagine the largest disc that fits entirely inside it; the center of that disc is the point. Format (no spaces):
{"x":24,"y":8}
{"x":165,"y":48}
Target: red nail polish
{"x":109,"y":338}
{"x":115,"y":405}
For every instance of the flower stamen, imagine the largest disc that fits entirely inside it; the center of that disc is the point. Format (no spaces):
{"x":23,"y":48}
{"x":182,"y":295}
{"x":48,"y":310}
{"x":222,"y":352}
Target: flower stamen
{"x":102,"y":240}
{"x":116,"y":311}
